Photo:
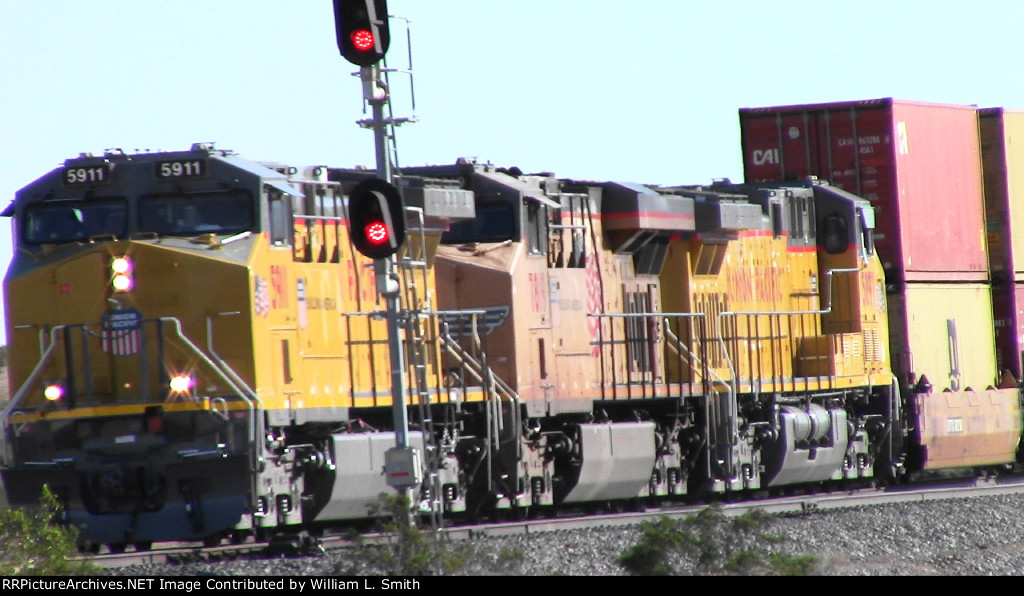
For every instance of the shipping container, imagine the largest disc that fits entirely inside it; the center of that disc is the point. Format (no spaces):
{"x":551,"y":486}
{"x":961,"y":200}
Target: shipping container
{"x":964,"y":428}
{"x":1008,"y":310}
{"x":918,"y":163}
{"x":944,"y":333}
{"x":1002,"y":153}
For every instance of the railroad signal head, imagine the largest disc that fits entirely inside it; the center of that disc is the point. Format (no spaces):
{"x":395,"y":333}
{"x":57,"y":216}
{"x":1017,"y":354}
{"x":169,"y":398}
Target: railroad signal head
{"x":376,"y":218}
{"x":362,"y":30}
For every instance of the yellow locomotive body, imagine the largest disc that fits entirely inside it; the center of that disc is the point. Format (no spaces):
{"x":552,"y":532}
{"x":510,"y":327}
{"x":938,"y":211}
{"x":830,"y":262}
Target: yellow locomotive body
{"x":788,"y":315}
{"x":196,"y":350}
{"x":795,"y":330}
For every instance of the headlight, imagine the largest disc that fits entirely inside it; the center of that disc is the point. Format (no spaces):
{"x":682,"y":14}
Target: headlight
{"x":121,"y":269}
{"x":53,"y":391}
{"x":181,"y":383}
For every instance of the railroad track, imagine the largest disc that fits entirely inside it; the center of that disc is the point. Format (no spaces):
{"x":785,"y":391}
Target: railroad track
{"x":303,"y":545}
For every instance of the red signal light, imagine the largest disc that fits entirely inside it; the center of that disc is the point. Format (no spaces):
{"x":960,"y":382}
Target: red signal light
{"x":362,"y":40}
{"x":377,"y":232}
{"x":376,"y":218}
{"x":361,"y":29}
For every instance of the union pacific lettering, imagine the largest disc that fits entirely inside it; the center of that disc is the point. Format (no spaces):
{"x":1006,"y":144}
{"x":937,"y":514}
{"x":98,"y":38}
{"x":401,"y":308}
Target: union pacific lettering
{"x":763,"y":284}
{"x":871,"y":293}
{"x":278,"y":286}
{"x":358,"y":289}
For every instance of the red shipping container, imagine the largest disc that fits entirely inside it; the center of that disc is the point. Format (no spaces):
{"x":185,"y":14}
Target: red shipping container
{"x":918,"y":163}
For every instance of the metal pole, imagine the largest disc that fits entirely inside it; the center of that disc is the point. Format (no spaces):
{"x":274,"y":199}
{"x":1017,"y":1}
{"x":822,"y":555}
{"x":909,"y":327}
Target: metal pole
{"x":376,"y":94}
{"x":387,"y":281}
{"x":387,"y":285}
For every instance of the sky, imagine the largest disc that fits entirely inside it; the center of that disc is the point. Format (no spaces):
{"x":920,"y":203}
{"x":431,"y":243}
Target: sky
{"x":641,"y":91}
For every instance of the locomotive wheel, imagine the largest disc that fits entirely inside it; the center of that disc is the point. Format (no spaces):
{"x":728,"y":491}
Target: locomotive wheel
{"x":143,"y":546}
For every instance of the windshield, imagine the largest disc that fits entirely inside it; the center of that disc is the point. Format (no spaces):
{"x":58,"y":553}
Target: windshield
{"x":494,"y":222}
{"x":196,"y":213}
{"x":75,"y":220}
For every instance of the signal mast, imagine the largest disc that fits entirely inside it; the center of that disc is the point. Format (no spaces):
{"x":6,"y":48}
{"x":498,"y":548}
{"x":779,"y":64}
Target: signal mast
{"x":376,"y":212}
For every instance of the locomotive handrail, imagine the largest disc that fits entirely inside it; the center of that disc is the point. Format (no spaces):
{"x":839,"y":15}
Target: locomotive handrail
{"x":678,"y":345}
{"x":730,"y":390}
{"x":491,"y":382}
{"x":10,"y":410}
{"x":219,"y":406}
{"x":213,"y":353}
{"x":21,"y":423}
{"x":420,"y":229}
{"x":665,"y":316}
{"x":452,"y":345}
{"x":733,"y":406}
{"x":254,"y":404}
{"x":251,"y":399}
{"x":246,"y":393}
{"x":459,"y":352}
{"x":33,"y":376}
{"x":823,"y":311}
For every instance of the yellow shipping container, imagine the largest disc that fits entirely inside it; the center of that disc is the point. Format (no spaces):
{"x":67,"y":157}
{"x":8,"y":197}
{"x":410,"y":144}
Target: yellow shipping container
{"x":945,"y":332}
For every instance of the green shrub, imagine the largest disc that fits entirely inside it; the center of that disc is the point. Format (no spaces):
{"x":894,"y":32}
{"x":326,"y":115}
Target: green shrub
{"x":35,"y":544}
{"x":410,"y":551}
{"x":711,"y":543}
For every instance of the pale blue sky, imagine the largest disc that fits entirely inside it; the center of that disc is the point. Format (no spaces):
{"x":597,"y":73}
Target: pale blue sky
{"x":643,"y":91}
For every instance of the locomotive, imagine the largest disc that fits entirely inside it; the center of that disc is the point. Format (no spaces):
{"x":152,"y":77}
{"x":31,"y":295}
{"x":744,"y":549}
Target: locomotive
{"x":198,"y":353}
{"x":193,"y":344}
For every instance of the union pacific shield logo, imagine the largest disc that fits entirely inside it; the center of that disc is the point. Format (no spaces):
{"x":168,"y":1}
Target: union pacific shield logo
{"x":122,"y":332}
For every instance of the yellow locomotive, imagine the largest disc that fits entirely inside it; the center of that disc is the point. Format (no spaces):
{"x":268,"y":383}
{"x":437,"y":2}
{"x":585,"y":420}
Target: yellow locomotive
{"x":197,"y":352}
{"x":193,"y":351}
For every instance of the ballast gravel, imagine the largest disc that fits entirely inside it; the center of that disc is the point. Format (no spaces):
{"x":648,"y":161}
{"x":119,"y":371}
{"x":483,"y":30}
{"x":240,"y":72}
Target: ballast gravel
{"x":976,"y":536}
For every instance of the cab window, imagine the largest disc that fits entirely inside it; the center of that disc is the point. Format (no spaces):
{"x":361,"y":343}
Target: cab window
{"x":836,"y":236}
{"x":495,"y":221}
{"x":196,"y":213}
{"x":63,"y":221}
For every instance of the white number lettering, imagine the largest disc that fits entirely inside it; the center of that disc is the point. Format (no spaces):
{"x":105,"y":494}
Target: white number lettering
{"x":180,"y":169}
{"x":83,"y":175}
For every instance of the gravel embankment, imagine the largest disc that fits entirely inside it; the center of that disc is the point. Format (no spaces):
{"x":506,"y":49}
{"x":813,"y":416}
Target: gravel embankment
{"x":981,"y":536}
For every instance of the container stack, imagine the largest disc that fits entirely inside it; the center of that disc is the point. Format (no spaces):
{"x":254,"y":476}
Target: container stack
{"x":1004,"y":211}
{"x":920,"y":166}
